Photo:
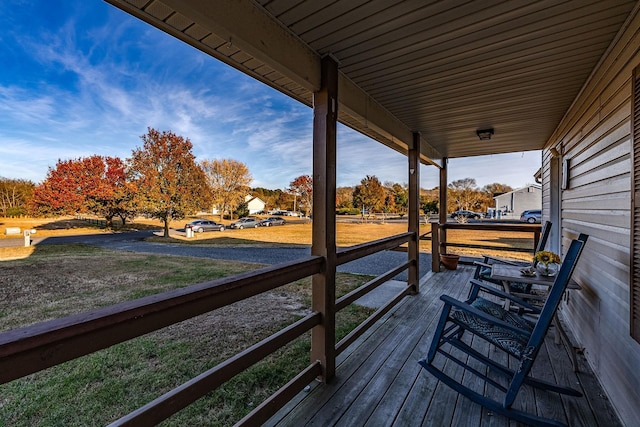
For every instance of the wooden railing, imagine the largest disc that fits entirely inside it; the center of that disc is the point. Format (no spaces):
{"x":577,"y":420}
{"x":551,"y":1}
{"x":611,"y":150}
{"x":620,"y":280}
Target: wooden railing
{"x":30,"y":349}
{"x":439,"y":243}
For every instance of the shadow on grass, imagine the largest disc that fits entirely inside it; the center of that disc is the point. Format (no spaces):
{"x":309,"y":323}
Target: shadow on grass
{"x":223,"y":241}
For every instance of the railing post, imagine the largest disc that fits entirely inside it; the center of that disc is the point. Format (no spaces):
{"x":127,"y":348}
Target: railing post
{"x":435,"y":247}
{"x":414,"y":214}
{"x":441,"y":240}
{"x":325,"y":105}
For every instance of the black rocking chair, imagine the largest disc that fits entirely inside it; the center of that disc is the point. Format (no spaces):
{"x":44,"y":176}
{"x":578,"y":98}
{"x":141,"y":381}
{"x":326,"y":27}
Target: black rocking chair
{"x":516,"y":335}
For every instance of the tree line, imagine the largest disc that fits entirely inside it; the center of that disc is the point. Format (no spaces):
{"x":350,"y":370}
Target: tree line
{"x":163,"y":180}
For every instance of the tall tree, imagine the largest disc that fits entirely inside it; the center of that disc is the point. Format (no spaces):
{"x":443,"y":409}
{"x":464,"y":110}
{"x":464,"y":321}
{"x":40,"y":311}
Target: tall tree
{"x":496,"y":189}
{"x":171,"y":183}
{"x":15,"y":195}
{"x":344,"y":197}
{"x":228,"y":181}
{"x":462,"y":194}
{"x":400,"y":195}
{"x":302,"y":189}
{"x":369,"y":195}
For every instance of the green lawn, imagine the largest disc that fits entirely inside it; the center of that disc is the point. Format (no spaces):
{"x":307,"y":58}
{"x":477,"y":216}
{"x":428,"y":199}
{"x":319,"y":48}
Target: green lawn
{"x":101,"y":387}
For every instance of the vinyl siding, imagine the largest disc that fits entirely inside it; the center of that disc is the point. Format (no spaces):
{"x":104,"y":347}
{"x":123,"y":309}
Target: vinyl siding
{"x":595,"y":136}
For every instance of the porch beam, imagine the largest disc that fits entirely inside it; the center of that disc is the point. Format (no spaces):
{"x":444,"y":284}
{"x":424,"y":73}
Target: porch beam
{"x":323,"y":244}
{"x":414,"y":214}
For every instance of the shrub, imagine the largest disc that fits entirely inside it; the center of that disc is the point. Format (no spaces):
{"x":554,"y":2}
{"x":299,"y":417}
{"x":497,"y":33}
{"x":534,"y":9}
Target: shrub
{"x":348,"y":211}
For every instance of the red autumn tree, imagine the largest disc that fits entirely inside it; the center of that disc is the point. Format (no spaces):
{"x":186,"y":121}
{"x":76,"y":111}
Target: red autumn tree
{"x":302,"y":187}
{"x":111,"y":193}
{"x":61,"y":193}
{"x":92,"y":184}
{"x":170,"y":181}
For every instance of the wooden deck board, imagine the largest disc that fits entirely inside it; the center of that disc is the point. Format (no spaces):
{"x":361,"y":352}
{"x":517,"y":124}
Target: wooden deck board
{"x":379,"y":381}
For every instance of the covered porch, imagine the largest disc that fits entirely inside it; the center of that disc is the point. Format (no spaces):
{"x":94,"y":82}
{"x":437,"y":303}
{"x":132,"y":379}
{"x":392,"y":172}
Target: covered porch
{"x":425,"y":79}
{"x":379,"y":382}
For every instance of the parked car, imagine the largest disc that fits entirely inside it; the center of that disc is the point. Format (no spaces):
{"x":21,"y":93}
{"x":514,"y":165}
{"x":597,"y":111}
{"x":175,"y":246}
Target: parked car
{"x":200,"y":225}
{"x":272,"y":220}
{"x":466,"y":214}
{"x":245,"y":223}
{"x":531,"y":216}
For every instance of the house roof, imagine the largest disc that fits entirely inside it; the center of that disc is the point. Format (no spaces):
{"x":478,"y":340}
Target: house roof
{"x":441,"y":68}
{"x":521,"y":189}
{"x":255,"y":199}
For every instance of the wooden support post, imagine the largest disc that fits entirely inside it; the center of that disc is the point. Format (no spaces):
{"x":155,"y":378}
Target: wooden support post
{"x":414,"y":214}
{"x":435,"y":247}
{"x":325,"y":105}
{"x":442,"y":217}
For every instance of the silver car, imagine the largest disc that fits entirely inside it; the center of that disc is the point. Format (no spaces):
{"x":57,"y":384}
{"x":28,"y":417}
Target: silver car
{"x":201,"y":225}
{"x":245,"y":223}
{"x":531,"y":216}
{"x":273,"y":220}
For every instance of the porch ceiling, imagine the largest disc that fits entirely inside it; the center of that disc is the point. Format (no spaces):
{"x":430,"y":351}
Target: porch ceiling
{"x":441,"y":68}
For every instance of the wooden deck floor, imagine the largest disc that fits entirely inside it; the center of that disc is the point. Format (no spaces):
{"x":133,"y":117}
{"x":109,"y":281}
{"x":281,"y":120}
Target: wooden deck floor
{"x":379,"y":381}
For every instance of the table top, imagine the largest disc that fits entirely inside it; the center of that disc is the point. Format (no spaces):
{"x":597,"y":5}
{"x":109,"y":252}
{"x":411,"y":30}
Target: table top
{"x":511,"y":273}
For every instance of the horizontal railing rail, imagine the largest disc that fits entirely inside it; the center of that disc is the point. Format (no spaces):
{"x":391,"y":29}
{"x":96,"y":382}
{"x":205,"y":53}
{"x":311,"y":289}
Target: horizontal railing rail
{"x":369,"y":286}
{"x":180,"y":397}
{"x":439,"y":242}
{"x":360,"y":251}
{"x":364,"y":326}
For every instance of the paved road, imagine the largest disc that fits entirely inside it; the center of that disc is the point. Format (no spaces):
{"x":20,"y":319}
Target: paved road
{"x":375,"y":264}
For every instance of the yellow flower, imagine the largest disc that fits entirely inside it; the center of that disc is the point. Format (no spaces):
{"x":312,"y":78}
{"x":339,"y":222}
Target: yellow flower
{"x":547,"y":257}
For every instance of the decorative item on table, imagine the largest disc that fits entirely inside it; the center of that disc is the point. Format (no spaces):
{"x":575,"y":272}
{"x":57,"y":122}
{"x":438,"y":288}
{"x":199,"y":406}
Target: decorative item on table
{"x":529,"y":271}
{"x":547,"y":263}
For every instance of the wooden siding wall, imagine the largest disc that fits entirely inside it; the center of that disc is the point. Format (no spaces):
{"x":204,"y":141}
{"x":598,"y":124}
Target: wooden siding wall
{"x":595,"y":137}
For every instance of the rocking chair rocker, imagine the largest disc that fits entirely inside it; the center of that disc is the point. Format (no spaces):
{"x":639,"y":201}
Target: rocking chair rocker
{"x":519,"y":337}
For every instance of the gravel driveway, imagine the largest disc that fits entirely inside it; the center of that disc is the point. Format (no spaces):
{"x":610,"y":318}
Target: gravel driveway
{"x":375,"y":264}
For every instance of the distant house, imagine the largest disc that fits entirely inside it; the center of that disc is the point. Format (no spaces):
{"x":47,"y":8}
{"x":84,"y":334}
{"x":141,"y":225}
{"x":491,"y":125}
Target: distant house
{"x":517,"y":201}
{"x":254,"y":204}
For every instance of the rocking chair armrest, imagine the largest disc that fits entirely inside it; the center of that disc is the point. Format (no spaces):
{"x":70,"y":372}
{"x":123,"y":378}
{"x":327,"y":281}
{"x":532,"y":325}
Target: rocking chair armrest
{"x":463,"y":306}
{"x":481,"y":264}
{"x":488,"y":258}
{"x":497,"y":292}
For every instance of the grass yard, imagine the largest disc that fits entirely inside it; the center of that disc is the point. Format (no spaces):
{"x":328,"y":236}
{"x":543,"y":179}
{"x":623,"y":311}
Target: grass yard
{"x":45,"y":282}
{"x":55,"y":281}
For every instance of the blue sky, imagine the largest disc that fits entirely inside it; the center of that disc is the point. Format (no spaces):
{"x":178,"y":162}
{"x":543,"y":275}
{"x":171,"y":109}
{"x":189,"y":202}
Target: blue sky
{"x":80,"y":77}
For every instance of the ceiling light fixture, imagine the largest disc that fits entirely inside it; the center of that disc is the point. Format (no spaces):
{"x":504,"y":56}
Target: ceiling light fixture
{"x":484,"y":134}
